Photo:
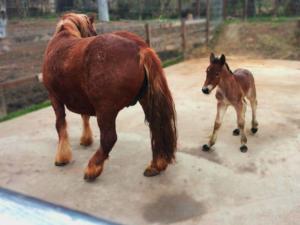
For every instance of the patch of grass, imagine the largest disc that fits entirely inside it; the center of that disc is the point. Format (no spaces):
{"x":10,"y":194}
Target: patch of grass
{"x":173,"y":61}
{"x":260,"y":19}
{"x":24,"y":111}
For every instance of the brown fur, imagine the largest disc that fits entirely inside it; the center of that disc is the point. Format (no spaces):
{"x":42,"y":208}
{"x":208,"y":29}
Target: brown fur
{"x":100,"y":75}
{"x":233,"y":88}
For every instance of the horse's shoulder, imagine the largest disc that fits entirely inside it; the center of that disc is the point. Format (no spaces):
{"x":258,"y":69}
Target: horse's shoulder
{"x":112,"y":43}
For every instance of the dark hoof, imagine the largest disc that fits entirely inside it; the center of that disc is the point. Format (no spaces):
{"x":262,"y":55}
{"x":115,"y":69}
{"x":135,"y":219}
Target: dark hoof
{"x":244,"y":148}
{"x":254,"y":130}
{"x":236,"y":132}
{"x":151,"y":172}
{"x":92,"y":172}
{"x":89,"y":178}
{"x":205,"y":148}
{"x":60,"y":163}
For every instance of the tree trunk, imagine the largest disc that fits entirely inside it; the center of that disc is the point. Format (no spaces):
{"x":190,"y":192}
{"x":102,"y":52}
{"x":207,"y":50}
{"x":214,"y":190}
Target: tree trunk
{"x":103,"y":10}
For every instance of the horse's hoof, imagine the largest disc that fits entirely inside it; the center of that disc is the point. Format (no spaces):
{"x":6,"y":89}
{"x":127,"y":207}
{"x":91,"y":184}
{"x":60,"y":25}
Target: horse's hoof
{"x":92,"y":172}
{"x":151,"y":172}
{"x":205,"y":148}
{"x":61,"y":163}
{"x":254,"y":130}
{"x":244,"y":148}
{"x":236,"y":132}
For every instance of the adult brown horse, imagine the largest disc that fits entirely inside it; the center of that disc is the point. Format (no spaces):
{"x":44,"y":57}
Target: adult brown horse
{"x":99,"y":76}
{"x":233,"y":88}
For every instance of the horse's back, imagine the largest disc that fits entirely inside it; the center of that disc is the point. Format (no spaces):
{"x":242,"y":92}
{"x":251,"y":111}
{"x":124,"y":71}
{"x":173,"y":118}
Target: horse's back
{"x":245,"y":79}
{"x":114,"y":74}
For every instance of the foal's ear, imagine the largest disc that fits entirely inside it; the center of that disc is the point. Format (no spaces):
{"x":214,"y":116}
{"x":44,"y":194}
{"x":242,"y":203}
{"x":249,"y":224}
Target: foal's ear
{"x":222,"y":59}
{"x":212,"y":57}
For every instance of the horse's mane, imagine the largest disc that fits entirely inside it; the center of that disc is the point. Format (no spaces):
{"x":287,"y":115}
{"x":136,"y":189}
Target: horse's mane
{"x":75,"y":23}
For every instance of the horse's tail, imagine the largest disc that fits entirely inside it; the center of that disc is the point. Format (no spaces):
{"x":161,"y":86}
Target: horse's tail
{"x":160,"y":109}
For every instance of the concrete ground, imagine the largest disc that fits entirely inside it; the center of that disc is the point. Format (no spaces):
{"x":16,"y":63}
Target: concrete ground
{"x":224,"y":186}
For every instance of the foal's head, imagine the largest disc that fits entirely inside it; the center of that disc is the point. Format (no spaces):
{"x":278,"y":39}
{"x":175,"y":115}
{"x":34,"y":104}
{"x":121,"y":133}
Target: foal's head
{"x":213,"y":73}
{"x":79,"y":25}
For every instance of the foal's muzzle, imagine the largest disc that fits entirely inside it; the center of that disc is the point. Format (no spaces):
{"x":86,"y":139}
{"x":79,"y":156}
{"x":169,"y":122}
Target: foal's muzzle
{"x":205,"y":90}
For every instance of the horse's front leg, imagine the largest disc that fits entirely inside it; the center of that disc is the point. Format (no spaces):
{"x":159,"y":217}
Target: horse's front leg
{"x":87,"y":135}
{"x":240,"y":111}
{"x":221,"y":109}
{"x":63,"y":153}
{"x":107,"y":124}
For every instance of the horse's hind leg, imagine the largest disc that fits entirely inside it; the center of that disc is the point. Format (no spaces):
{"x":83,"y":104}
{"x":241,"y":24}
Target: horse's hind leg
{"x":63,"y":153}
{"x":87,"y":136}
{"x":107,"y":124}
{"x":221,"y":109}
{"x":240,"y":111}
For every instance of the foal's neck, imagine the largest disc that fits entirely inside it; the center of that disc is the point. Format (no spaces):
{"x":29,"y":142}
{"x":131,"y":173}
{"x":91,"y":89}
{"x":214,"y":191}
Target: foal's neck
{"x":226,"y":78}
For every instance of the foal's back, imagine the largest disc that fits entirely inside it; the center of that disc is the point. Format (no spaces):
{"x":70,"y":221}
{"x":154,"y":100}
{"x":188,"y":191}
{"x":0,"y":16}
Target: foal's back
{"x":246,"y":81}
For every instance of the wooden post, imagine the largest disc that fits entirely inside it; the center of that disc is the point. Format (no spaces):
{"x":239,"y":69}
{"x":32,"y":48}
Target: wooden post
{"x":183,"y":36}
{"x":179,"y":8}
{"x":140,"y":9}
{"x":197,"y":2}
{"x":245,"y":9}
{"x":207,"y":20}
{"x":224,"y":9}
{"x":3,"y":110}
{"x":148,"y":34}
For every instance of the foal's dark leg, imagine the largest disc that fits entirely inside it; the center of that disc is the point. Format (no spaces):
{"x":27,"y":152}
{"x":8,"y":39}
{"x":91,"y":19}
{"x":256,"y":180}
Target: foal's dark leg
{"x":254,"y":127}
{"x":107,"y":124}
{"x":63,"y":153}
{"x":87,"y":136}
{"x":240,"y":111}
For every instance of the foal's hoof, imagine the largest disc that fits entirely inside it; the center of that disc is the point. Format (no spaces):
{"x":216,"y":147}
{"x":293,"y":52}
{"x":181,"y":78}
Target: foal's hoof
{"x":92,"y":172}
{"x":61,"y":163}
{"x":151,"y":172}
{"x":205,"y":148}
{"x":254,"y":130}
{"x":236,"y":132}
{"x":244,"y":148}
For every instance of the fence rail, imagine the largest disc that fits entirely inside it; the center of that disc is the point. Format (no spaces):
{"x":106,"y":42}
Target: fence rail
{"x":169,"y":39}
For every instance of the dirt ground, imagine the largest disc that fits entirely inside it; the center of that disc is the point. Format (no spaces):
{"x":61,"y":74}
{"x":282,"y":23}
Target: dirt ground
{"x":269,"y":39}
{"x":223,"y":186}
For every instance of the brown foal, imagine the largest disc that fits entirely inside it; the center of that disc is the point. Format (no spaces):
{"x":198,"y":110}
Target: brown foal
{"x":233,"y":88}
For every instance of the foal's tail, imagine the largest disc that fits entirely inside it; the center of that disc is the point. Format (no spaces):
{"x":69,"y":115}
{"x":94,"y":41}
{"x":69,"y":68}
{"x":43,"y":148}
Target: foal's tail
{"x":159,"y":109}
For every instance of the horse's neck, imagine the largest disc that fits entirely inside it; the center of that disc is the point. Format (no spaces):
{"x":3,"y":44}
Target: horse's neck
{"x":68,"y":28}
